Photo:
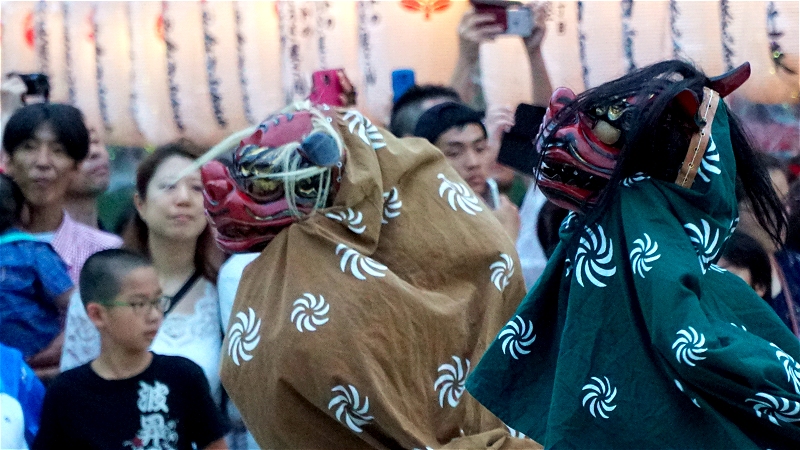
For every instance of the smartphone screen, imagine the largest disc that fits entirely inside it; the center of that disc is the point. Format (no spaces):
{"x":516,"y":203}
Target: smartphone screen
{"x":517,"y":149}
{"x":520,"y":21}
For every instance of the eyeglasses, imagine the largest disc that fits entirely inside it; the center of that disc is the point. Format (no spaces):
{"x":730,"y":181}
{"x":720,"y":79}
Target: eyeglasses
{"x":143,"y":308}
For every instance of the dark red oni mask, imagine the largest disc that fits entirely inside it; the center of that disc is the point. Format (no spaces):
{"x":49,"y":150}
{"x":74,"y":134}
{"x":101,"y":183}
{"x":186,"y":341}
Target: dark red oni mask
{"x":287,"y":168}
{"x":575,"y":162}
{"x":580,"y":149}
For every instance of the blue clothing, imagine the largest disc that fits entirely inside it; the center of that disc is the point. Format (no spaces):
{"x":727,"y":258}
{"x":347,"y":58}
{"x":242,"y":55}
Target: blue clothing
{"x":18,"y":381}
{"x":32,"y":277}
{"x":789,"y":262}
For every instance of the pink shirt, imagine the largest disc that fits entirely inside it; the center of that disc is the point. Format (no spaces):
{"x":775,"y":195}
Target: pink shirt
{"x":75,"y":243}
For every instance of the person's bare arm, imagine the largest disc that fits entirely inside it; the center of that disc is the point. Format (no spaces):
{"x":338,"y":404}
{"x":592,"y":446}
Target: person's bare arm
{"x":45,"y":364}
{"x":473,"y":29}
{"x":219,"y":444}
{"x":62,"y":302}
{"x":541,"y":87}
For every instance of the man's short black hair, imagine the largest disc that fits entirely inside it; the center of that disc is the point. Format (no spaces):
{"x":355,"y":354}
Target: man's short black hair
{"x":66,"y":121}
{"x":408,"y":108}
{"x":440,"y":118}
{"x":745,"y":252}
{"x":102,"y":274}
{"x":11,"y":201}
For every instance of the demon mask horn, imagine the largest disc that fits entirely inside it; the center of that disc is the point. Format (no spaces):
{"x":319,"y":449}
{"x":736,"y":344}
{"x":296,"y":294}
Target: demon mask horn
{"x":703,"y":112}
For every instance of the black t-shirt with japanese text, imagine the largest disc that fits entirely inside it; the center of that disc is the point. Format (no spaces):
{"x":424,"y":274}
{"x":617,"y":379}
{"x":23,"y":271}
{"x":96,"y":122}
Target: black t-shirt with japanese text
{"x":167,"y":406}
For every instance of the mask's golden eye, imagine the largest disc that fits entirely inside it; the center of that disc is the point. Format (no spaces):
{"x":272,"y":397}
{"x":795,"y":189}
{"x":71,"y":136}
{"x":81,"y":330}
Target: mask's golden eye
{"x":606,"y":133}
{"x":307,"y":187}
{"x":615,"y":112}
{"x":266,"y":184}
{"x":264,"y":188}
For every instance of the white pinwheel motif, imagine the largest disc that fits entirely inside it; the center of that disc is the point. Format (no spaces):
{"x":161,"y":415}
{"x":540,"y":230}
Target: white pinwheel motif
{"x":710,"y":162}
{"x":643,"y":254}
{"x":350,"y":218}
{"x":502,"y":271}
{"x":359,"y":263}
{"x":635,"y":178}
{"x":704,"y":244}
{"x":364,"y":129}
{"x":688,"y":346}
{"x":775,"y":408}
{"x":599,"y":397}
{"x":391,"y":205}
{"x":243,"y":336}
{"x":514,"y":433}
{"x":567,"y":267}
{"x":716,"y":268}
{"x":791,"y":366}
{"x":734,"y":224}
{"x":739,"y":326}
{"x":680,"y":386}
{"x":593,"y":258}
{"x":450,"y":383}
{"x":516,"y":337}
{"x":567,"y":222}
{"x":309,"y":312}
{"x":459,"y":196}
{"x":346,"y":405}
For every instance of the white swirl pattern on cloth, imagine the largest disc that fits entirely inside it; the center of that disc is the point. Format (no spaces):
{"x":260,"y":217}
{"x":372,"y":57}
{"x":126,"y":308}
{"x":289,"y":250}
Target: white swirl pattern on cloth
{"x":459,"y":196}
{"x":450,"y":384}
{"x":599,"y":397}
{"x":349,"y":409}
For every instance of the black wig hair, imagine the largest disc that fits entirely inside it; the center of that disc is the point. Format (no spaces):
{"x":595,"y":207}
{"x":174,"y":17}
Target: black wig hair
{"x":66,"y":121}
{"x":656,"y":135}
{"x":793,"y":205}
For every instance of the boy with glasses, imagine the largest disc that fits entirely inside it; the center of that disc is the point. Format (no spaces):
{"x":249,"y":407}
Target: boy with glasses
{"x":128,"y":397}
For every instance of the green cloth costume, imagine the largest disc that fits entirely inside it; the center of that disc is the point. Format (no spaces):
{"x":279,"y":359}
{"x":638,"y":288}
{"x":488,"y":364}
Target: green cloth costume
{"x":633,"y":338}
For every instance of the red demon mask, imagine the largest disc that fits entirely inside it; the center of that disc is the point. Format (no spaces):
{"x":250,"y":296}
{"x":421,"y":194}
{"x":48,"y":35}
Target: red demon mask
{"x":579,"y":153}
{"x":277,"y":176}
{"x":575,"y":162}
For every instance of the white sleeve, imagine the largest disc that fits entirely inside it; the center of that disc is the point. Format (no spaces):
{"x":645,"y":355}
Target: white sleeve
{"x":531,"y":254}
{"x":81,"y":338}
{"x":230,"y":274}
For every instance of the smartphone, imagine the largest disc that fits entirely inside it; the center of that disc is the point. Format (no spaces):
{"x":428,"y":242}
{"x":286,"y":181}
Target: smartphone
{"x":493,"y":194}
{"x":38,"y":87}
{"x":517,"y":148}
{"x":326,"y":87}
{"x":402,"y":81}
{"x":512,"y":16}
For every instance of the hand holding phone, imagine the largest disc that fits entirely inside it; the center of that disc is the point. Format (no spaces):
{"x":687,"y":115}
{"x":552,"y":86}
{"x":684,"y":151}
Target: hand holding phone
{"x":37,"y":86}
{"x":517,"y":149}
{"x":512,"y":16}
{"x":402,"y":81}
{"x":332,"y":87}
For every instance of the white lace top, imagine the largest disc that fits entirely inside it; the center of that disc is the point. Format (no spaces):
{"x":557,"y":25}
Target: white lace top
{"x":195,"y":336}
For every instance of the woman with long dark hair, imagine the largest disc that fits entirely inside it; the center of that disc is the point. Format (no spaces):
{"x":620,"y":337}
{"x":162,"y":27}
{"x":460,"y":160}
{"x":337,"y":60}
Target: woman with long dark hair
{"x":171,"y":229}
{"x":633,"y":337}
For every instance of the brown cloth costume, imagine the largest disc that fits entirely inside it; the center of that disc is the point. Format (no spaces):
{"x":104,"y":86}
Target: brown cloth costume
{"x":357,"y":326}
